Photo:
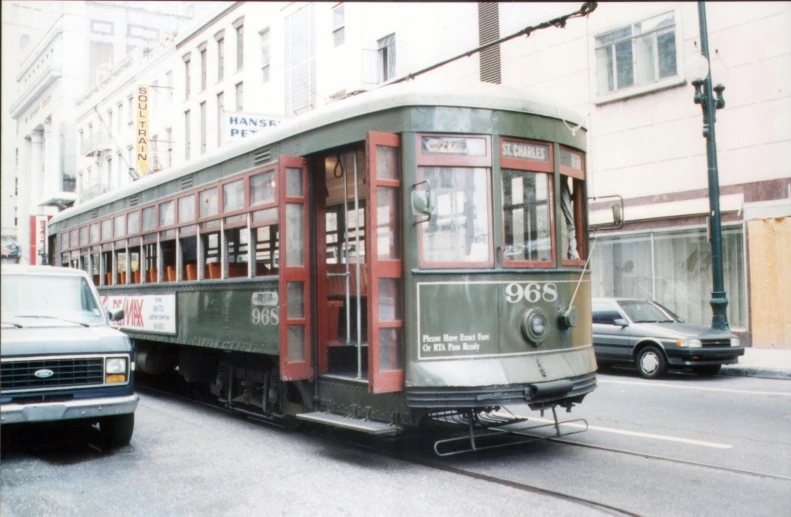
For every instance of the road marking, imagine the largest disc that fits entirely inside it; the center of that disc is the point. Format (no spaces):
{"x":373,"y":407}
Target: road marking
{"x":713,"y":445}
{"x":701,"y":388}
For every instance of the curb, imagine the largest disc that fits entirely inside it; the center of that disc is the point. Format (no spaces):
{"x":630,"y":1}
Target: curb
{"x":740,"y":371}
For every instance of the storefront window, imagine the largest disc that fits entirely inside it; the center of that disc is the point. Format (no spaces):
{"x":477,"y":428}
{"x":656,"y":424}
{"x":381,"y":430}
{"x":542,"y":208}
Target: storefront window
{"x":673,"y":268}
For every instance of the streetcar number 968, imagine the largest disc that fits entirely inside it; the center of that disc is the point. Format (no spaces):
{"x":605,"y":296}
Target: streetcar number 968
{"x":265,"y":316}
{"x":531,"y":292}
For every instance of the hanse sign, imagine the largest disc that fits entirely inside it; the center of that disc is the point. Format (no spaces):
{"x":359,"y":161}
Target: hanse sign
{"x":237,"y":125}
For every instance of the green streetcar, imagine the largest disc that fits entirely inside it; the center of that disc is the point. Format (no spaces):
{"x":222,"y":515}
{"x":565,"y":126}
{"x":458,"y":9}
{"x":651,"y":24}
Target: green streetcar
{"x":397,"y":258}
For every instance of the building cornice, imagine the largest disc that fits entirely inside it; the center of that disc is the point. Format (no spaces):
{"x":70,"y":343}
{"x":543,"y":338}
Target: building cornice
{"x":189,"y":36}
{"x":48,"y":78}
{"x":49,"y":37}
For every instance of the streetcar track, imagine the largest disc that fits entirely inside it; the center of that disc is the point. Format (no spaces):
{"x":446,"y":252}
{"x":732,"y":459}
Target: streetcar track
{"x":381,"y":448}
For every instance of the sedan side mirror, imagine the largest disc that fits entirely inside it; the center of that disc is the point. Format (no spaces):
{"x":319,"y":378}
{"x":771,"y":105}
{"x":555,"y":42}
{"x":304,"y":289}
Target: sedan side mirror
{"x":621,"y":322}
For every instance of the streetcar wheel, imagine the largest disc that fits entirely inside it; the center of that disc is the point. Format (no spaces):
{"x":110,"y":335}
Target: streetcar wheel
{"x":651,"y":362}
{"x":707,"y":370}
{"x":117,"y":430}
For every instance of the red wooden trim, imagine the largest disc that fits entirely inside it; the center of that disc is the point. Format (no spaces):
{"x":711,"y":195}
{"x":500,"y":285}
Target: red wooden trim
{"x":294,"y":370}
{"x":525,"y":164}
{"x":538,"y":263}
{"x":380,"y":381}
{"x":323,"y":317}
{"x":453,"y":160}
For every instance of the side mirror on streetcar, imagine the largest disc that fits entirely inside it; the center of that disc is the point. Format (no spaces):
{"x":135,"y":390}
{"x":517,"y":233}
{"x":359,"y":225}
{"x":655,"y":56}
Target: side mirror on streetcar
{"x":621,"y":322}
{"x":422,"y":203}
{"x":617,"y":214}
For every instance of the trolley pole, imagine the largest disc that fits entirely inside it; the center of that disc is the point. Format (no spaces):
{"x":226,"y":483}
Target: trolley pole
{"x":719,"y":301}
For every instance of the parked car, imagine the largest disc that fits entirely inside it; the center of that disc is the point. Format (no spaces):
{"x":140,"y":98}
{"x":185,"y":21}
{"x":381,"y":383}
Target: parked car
{"x":650,"y":336}
{"x":61,"y":360}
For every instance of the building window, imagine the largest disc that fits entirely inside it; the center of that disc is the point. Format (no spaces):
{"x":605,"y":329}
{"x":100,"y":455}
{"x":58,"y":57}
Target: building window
{"x":240,"y":97}
{"x":637,"y":55}
{"x":187,"y":135}
{"x":169,"y":84}
{"x":673,"y":268}
{"x":386,"y":58}
{"x":129,"y":111}
{"x":220,"y":59}
{"x":187,"y":76}
{"x":110,"y":119}
{"x":16,"y":186}
{"x":338,"y":26}
{"x":102,"y":27}
{"x":265,"y":54}
{"x":155,"y":96}
{"x":203,"y":127}
{"x":203,"y":69}
{"x":239,"y":45}
{"x":156,"y":164}
{"x":120,"y":116}
{"x":169,"y":136}
{"x":220,"y":108}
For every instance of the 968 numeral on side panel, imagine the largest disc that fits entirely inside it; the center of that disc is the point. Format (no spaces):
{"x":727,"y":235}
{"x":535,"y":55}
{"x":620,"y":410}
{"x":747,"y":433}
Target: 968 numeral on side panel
{"x":533,"y":292}
{"x":265,"y":316}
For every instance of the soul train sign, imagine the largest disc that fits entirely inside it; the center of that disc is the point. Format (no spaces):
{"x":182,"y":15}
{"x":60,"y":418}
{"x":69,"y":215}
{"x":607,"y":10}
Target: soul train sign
{"x":141,"y":129}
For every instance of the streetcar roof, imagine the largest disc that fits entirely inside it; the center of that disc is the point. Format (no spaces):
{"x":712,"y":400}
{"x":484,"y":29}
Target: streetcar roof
{"x":410,"y":93}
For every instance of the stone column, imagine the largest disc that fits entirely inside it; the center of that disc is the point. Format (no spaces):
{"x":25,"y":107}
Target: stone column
{"x":36,"y":170}
{"x":50,"y":147}
{"x":24,"y":201}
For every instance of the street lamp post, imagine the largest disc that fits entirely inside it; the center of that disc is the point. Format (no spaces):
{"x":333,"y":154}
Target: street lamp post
{"x":699,"y":67}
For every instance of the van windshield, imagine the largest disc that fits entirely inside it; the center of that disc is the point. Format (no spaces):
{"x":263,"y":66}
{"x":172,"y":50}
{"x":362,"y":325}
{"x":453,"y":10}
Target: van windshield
{"x":48,"y":300}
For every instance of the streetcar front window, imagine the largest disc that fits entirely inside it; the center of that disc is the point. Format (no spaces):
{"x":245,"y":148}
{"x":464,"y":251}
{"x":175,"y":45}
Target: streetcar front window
{"x":458,"y":232}
{"x":527,"y":217}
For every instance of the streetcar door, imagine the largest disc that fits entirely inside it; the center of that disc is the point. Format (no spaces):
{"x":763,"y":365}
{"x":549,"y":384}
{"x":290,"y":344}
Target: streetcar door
{"x":295,"y":349}
{"x":386,"y":264}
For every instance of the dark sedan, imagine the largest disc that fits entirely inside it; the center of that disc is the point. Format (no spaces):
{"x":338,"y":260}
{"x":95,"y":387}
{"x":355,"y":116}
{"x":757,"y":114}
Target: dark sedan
{"x":646,"y":334}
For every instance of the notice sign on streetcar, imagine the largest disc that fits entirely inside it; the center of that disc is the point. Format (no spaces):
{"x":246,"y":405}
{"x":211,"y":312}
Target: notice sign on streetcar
{"x":147,"y":313}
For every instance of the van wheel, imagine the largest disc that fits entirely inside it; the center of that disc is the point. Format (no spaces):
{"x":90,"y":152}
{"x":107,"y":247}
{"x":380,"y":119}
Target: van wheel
{"x":651,"y":362}
{"x":117,"y":430}
{"x":707,"y":370}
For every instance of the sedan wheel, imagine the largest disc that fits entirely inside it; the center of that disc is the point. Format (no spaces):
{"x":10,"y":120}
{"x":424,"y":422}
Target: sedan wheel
{"x":651,"y":362}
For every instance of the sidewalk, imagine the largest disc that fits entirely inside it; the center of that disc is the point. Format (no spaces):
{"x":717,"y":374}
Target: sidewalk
{"x":761,"y":362}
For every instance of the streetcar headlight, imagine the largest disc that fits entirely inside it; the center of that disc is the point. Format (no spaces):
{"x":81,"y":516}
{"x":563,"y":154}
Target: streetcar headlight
{"x":688,"y":343}
{"x":734,"y":341}
{"x":115,"y":365}
{"x":534,"y":326}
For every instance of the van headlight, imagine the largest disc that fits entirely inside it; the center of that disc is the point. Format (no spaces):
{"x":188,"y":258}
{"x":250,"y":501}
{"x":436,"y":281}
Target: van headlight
{"x":734,"y":341}
{"x":115,"y":370}
{"x":688,"y":343}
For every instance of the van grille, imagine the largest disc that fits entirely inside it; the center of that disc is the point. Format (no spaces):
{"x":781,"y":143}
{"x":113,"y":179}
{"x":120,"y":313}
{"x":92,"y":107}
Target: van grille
{"x":68,"y":372}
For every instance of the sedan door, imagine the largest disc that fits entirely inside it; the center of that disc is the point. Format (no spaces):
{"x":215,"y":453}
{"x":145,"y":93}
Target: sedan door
{"x":611,"y":342}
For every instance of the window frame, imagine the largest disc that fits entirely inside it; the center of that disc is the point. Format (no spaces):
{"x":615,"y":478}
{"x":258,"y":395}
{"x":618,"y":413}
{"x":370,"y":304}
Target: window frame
{"x":341,"y":28}
{"x":460,"y":161}
{"x":533,"y":167}
{"x":660,"y":83}
{"x":580,"y":209}
{"x":266,"y":37}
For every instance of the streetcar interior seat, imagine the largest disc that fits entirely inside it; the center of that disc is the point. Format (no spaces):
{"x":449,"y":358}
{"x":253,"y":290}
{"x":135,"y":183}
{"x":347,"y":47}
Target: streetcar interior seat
{"x":151,"y":275}
{"x":237,"y":270}
{"x":212,"y":271}
{"x":191,"y":270}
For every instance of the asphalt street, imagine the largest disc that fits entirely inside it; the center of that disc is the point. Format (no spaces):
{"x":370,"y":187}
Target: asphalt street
{"x":187,"y":459}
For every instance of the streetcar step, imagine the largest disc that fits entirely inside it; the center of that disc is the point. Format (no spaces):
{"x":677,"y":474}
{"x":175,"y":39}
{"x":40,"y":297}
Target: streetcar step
{"x":355,"y":424}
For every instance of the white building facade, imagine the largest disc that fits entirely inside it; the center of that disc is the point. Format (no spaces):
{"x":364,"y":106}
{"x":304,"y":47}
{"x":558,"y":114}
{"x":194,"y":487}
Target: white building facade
{"x":622,"y":68}
{"x":82,"y":41}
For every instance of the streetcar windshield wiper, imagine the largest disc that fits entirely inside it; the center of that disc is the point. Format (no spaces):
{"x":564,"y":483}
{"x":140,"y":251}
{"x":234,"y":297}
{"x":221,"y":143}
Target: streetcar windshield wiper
{"x":56,"y":318}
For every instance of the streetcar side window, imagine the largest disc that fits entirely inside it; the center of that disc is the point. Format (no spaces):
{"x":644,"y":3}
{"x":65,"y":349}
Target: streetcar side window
{"x":188,"y":242}
{"x":95,"y":272}
{"x":572,"y":207}
{"x":107,"y":267}
{"x":527,"y":217}
{"x":167,"y":246}
{"x":266,"y":243}
{"x":210,"y":242}
{"x":236,"y":250}
{"x":120,"y":266}
{"x":150,"y":266}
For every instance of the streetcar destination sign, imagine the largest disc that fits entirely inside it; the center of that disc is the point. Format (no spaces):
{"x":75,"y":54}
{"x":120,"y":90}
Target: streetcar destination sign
{"x":525,"y":151}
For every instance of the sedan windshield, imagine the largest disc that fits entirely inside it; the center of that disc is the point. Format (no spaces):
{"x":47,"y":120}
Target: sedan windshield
{"x":642,"y":311}
{"x":49,"y":301}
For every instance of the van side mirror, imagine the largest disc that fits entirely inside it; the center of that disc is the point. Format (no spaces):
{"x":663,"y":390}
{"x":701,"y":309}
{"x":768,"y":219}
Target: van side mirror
{"x":116,"y":315}
{"x":621,"y":322}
